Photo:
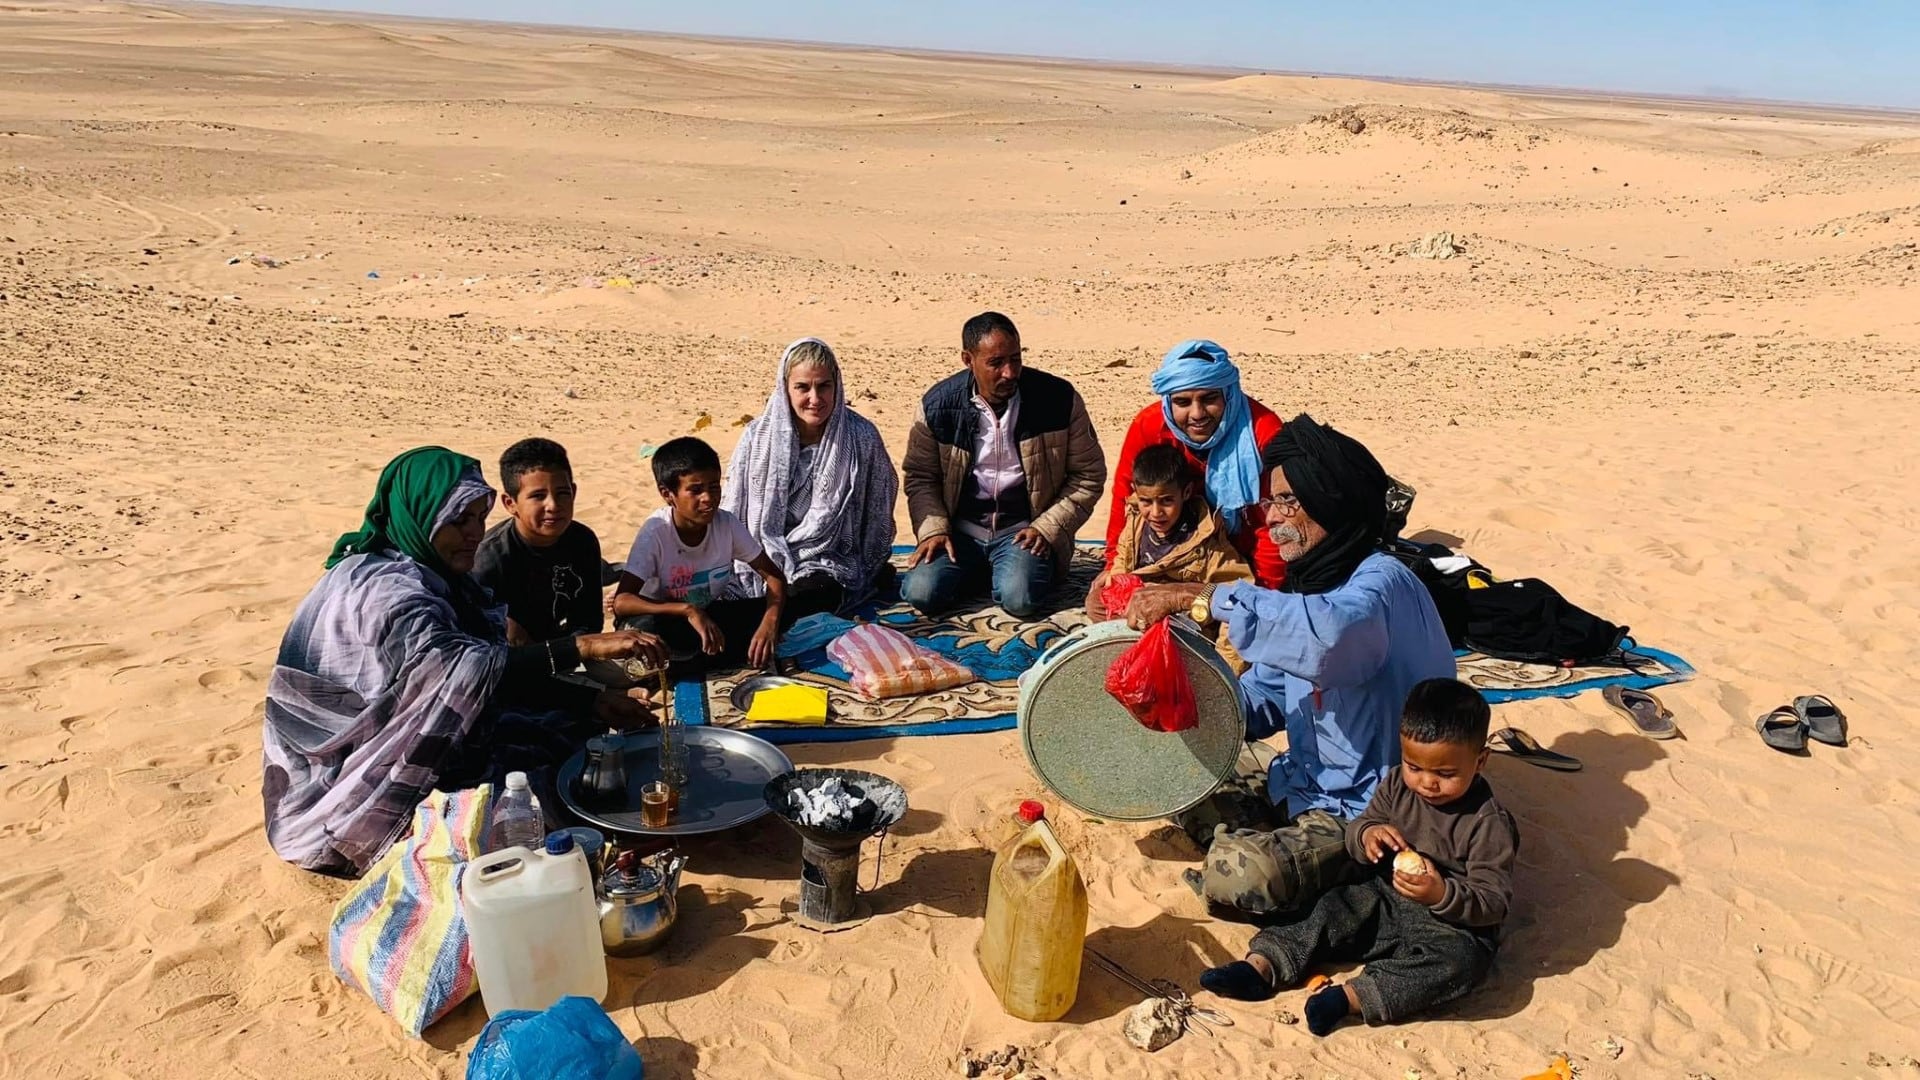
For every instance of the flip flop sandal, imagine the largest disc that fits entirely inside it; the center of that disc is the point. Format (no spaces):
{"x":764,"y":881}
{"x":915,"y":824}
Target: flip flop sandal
{"x":1783,"y":730}
{"x":1648,"y":715}
{"x":1825,"y":722}
{"x":1516,"y":743}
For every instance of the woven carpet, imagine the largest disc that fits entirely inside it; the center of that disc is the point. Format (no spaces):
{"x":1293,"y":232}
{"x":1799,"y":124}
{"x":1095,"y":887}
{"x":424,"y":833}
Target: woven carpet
{"x":999,"y":647}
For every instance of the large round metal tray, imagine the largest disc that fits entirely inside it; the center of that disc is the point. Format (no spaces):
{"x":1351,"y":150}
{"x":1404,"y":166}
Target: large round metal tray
{"x":1090,"y":751}
{"x":726,"y":783}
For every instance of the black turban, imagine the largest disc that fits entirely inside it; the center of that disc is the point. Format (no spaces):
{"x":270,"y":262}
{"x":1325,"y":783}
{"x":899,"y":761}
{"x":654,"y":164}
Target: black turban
{"x":1342,"y":488}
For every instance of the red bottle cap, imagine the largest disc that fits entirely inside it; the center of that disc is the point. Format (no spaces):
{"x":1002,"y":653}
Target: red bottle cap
{"x":1030,"y":811}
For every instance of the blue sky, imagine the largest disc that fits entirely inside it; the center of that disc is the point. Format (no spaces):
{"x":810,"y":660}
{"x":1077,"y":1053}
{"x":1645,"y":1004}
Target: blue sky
{"x":1851,"y":51}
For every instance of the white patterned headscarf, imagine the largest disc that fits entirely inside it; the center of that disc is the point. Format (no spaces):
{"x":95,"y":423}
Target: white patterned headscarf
{"x":469,"y":489}
{"x":847,"y":530}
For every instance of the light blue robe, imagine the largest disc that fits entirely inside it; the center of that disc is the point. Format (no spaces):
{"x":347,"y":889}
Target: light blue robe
{"x":1333,"y":670}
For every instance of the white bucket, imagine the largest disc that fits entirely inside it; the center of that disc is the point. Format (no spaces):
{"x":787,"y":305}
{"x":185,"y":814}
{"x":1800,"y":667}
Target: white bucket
{"x":534,"y":927}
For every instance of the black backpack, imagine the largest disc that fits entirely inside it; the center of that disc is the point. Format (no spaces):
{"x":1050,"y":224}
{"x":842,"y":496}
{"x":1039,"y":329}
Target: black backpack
{"x":1529,"y":621}
{"x":1449,"y":591}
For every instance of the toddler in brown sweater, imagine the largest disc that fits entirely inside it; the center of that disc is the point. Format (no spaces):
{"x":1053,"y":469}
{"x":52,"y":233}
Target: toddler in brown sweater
{"x":1427,"y":923}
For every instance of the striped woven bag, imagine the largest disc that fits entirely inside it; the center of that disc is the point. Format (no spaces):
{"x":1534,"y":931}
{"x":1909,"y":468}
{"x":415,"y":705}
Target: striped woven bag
{"x":400,"y":935}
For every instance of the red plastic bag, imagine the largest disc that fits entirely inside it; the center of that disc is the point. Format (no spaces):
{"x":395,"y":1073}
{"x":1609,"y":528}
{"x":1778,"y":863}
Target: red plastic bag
{"x":1150,"y":679}
{"x":1117,"y":593}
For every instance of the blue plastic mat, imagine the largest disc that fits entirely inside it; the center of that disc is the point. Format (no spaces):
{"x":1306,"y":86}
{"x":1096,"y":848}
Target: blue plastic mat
{"x":999,"y":647}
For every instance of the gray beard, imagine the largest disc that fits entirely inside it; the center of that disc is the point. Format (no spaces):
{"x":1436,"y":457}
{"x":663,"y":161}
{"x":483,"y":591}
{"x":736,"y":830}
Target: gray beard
{"x":1286,"y":534}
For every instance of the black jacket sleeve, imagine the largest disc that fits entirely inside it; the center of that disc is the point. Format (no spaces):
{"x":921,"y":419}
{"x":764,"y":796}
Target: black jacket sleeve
{"x":529,"y":677}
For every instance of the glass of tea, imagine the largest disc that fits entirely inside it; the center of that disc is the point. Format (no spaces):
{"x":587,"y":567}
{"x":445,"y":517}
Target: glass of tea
{"x":656,"y":804}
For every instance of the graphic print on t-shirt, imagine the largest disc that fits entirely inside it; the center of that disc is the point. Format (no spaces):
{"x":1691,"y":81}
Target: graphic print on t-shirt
{"x":567,"y":588}
{"x":697,"y":587}
{"x":671,"y":570}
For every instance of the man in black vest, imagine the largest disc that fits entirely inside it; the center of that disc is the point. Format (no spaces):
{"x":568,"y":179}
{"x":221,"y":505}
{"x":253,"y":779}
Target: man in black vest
{"x":1002,"y":468}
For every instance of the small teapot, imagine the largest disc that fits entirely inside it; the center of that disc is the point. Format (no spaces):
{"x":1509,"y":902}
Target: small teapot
{"x":603,"y":775}
{"x":638,"y":902}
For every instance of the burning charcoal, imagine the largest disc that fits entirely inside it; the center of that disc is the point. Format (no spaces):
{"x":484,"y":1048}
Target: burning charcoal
{"x":830,"y":806}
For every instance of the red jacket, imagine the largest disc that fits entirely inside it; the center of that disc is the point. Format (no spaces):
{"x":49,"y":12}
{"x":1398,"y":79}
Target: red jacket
{"x":1249,"y":532}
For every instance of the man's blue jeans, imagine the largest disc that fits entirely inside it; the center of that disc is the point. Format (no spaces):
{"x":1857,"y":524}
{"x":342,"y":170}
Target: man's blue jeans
{"x":1020,"y":580}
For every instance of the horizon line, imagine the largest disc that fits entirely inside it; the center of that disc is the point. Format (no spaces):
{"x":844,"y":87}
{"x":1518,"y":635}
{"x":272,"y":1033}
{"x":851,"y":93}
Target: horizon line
{"x":1112,"y":63}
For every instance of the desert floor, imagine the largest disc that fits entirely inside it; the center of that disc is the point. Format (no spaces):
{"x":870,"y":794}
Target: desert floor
{"x":1671,"y":371}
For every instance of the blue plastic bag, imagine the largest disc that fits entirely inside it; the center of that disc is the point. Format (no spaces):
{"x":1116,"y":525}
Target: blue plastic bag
{"x":572,"y":1040}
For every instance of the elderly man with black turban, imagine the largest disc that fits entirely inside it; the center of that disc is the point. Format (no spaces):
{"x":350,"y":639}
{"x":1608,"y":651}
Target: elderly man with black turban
{"x":1334,"y":652}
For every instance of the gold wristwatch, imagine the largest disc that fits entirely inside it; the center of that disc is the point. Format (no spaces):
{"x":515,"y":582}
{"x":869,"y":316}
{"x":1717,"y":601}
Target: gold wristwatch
{"x":1202,"y":609}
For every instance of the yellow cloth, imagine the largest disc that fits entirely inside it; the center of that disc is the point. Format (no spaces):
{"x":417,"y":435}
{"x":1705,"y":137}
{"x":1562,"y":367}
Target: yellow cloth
{"x":789,"y":705}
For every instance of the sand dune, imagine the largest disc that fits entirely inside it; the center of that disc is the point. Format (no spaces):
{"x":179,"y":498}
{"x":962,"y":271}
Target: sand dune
{"x":245,"y":257}
{"x":1297,"y":90}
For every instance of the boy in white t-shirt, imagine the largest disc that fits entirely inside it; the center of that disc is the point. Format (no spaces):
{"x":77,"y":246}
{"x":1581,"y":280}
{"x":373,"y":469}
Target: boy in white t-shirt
{"x":679,"y":577}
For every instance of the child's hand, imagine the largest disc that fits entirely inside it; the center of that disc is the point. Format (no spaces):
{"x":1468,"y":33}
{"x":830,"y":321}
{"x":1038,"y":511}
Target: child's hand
{"x":760,"y":651}
{"x":1428,"y":888}
{"x":711,"y":639}
{"x":1381,"y":840}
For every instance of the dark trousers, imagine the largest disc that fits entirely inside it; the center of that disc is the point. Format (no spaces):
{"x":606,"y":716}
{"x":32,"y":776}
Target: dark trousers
{"x":512,"y":740}
{"x":738,"y":621}
{"x":1414,"y":961}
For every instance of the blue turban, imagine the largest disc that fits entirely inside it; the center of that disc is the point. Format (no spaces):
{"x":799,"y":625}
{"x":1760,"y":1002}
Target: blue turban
{"x":1233,"y":456}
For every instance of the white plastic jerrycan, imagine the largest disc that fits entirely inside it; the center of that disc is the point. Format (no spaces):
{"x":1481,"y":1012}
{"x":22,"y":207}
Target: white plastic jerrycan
{"x":534,"y":926}
{"x":1036,"y":923}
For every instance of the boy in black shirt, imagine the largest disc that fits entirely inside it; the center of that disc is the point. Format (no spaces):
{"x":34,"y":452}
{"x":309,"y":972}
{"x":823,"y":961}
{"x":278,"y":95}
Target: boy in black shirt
{"x":541,"y":563}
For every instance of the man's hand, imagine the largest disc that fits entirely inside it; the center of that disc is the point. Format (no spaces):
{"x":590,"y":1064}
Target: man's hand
{"x":1030,"y":540}
{"x":1379,"y":841}
{"x":760,"y":651}
{"x":711,"y":639}
{"x":1428,"y":888}
{"x":931,"y":546}
{"x":1151,"y":603}
{"x":622,"y":645}
{"x":624,"y":710}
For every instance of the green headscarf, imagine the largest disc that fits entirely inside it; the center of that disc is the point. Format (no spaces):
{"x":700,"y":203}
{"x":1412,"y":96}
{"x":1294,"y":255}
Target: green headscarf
{"x":412,"y":490}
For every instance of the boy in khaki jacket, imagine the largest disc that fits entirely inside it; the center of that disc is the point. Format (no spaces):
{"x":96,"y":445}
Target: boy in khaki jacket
{"x":1171,"y":535}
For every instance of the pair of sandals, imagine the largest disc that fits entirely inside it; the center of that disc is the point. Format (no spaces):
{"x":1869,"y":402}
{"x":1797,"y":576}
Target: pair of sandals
{"x":1812,"y":716}
{"x":1648,"y":714}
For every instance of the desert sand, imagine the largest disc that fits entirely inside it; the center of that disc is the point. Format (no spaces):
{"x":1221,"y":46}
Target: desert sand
{"x":1671,"y":370}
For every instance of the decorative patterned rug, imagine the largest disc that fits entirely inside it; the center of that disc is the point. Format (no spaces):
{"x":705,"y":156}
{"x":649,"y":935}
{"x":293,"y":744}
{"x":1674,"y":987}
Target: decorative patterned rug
{"x":999,"y":647}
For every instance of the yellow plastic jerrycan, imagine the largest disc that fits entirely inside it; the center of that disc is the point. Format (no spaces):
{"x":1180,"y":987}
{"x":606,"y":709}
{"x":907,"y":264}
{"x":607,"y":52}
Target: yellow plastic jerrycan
{"x":1036,"y":922}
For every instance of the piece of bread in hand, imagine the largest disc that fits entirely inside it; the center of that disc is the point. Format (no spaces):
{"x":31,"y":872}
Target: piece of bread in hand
{"x":1410,"y":863}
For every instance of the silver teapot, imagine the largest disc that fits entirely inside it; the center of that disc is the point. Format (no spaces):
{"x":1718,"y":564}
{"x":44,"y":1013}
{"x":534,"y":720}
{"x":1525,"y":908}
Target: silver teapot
{"x":638,"y":902}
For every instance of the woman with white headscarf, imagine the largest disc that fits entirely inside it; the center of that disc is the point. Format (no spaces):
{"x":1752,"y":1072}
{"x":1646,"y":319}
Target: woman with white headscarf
{"x":813,"y":483}
{"x":1203,"y":411}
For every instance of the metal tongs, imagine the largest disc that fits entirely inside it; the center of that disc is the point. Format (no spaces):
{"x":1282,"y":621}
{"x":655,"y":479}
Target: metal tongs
{"x":1190,"y":1014}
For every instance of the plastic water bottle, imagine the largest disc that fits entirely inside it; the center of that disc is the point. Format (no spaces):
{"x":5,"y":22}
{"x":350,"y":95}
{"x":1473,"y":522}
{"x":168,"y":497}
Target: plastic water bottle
{"x":516,"y":817}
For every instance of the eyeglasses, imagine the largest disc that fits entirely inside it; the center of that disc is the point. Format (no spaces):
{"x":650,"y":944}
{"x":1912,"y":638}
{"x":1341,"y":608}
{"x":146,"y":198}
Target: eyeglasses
{"x":1288,"y":504}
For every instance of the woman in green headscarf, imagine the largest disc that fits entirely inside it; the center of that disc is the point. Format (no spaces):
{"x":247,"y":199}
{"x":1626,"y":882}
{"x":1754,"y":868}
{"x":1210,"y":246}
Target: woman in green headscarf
{"x":395,"y":676}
